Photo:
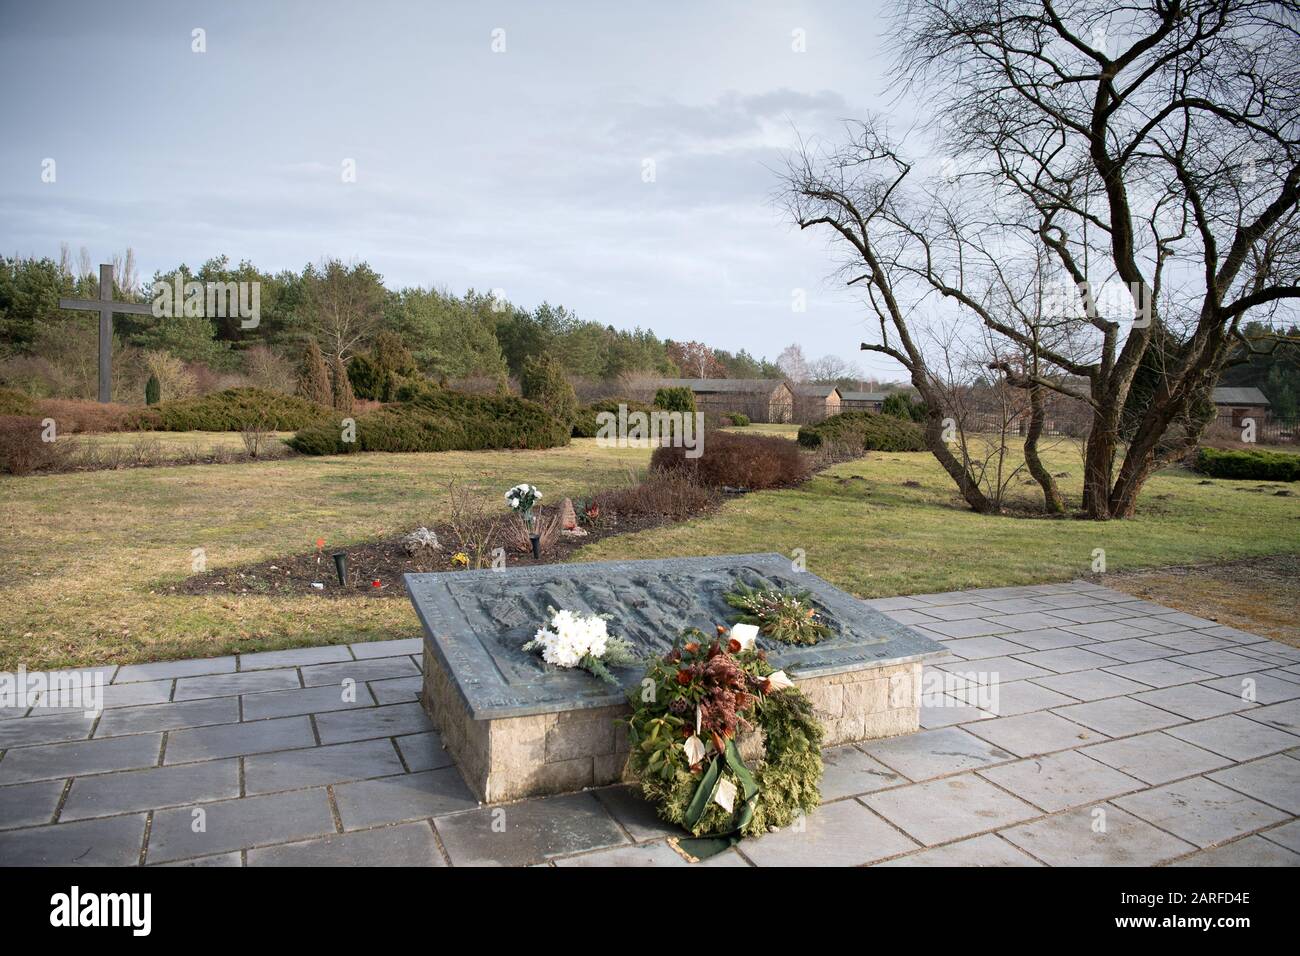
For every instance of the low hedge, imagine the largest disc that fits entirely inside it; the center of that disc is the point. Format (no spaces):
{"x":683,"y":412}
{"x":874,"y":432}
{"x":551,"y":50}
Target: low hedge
{"x":232,"y":411}
{"x":675,"y":398}
{"x":439,"y":419}
{"x":865,"y":430}
{"x":736,"y":419}
{"x":585,"y":425}
{"x":1252,"y":465}
{"x":732,"y":460}
{"x":14,"y":402}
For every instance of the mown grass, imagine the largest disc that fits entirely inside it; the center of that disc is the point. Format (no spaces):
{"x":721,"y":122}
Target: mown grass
{"x":81,"y":555}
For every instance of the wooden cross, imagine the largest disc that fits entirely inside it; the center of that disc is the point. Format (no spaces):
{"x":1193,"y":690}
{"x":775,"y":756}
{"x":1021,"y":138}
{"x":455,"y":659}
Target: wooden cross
{"x":105,"y":306}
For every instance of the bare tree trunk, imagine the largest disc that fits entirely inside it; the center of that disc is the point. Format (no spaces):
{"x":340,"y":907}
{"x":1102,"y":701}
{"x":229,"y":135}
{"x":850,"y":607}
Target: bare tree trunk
{"x":966,"y":484}
{"x":1052,"y":498}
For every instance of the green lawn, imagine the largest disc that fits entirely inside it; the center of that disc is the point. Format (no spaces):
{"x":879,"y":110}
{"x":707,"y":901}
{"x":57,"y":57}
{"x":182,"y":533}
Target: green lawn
{"x":84,"y":552}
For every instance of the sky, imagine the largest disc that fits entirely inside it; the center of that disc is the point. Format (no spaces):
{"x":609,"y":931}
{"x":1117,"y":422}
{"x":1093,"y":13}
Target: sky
{"x":495,"y":146}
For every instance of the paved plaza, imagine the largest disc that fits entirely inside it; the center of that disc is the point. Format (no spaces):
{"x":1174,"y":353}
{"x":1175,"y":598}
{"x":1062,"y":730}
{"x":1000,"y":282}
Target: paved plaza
{"x":1122,"y":733}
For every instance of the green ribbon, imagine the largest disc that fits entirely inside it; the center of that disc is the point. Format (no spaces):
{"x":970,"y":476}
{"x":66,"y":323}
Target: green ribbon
{"x":704,"y":847}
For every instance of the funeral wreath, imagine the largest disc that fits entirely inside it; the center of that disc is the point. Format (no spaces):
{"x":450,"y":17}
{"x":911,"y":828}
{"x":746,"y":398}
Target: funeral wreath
{"x":781,"y":615}
{"x":697,"y":709}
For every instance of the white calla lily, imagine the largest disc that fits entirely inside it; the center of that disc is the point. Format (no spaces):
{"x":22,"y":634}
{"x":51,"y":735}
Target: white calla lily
{"x":745,"y":635}
{"x":780,"y":681}
{"x":725,"y":795}
{"x":694,"y":750}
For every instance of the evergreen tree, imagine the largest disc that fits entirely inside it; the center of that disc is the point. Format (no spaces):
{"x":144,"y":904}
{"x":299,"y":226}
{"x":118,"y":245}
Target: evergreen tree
{"x":152,"y":391}
{"x":313,"y":377}
{"x":542,"y":380}
{"x":341,"y":387}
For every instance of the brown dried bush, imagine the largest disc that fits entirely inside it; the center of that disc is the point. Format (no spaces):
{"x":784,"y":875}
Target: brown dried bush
{"x":22,"y":450}
{"x":733,"y":460}
{"x":670,"y":494}
{"x":73,"y":416}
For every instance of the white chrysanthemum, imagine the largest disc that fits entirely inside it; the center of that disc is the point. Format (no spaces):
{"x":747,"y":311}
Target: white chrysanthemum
{"x":570,"y":637}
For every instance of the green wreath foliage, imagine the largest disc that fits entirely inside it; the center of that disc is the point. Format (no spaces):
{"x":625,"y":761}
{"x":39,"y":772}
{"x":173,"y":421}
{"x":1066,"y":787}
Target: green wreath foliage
{"x":788,"y":772}
{"x":781,"y":615}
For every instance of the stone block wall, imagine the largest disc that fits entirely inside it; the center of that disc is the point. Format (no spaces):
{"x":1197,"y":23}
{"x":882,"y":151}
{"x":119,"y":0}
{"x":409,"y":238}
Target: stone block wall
{"x":514,"y":757}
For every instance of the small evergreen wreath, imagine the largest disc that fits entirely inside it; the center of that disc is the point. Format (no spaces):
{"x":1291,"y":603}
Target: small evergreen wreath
{"x":693,"y":704}
{"x":784,"y":616}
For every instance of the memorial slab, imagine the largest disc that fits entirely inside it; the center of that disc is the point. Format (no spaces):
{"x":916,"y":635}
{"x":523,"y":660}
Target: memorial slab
{"x":518,"y":727}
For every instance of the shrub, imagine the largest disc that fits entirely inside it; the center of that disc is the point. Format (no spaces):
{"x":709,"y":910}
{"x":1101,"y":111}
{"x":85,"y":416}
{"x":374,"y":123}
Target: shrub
{"x":175,"y":380}
{"x":737,"y":461}
{"x":152,"y":391}
{"x":585,"y":424}
{"x":231,"y":411}
{"x":1257,"y":465}
{"x":21,"y":449}
{"x":313,"y":376}
{"x":676,"y":398}
{"x":14,"y":402}
{"x":672,"y":494}
{"x":736,"y":419}
{"x":438,"y":419}
{"x":72,"y":415}
{"x":542,"y":381}
{"x":865,"y":431}
{"x":902,"y":405}
{"x":341,"y":387}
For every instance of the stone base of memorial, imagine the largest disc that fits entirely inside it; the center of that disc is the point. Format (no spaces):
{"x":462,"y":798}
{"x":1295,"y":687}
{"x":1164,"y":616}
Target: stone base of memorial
{"x":518,"y":727}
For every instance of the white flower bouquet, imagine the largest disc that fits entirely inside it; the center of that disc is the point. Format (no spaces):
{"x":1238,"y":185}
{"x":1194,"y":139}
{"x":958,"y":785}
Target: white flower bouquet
{"x":573,"y":639}
{"x":522,"y":498}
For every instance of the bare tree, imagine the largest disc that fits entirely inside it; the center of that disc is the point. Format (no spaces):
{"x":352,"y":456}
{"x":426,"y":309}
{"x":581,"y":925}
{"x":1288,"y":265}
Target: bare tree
{"x":792,"y":363}
{"x":342,"y":305}
{"x":1153,"y":146}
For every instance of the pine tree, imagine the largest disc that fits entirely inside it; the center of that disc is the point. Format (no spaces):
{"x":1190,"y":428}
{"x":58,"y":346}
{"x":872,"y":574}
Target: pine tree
{"x":543,"y":381}
{"x":152,"y":391}
{"x":313,"y":377}
{"x":342,"y":397}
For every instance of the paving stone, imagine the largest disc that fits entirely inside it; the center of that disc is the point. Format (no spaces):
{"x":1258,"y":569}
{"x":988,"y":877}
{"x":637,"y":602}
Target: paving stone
{"x":1119,"y":716}
{"x":635,"y":814}
{"x":1005,"y":668}
{"x":1132,"y":650}
{"x":134,"y":790}
{"x":411,"y":796}
{"x":1194,"y":701}
{"x":1023,"y":697}
{"x":1200,"y":811}
{"x":1141,"y":608}
{"x":1237,"y":635}
{"x":933,"y":753}
{"x":528,"y":832}
{"x":892,"y":603}
{"x":318,"y":766}
{"x":80,"y":757}
{"x":951,"y":612}
{"x":1189,"y":642}
{"x":1015,"y":606}
{"x":156,"y":717}
{"x":136,"y":693}
{"x":1026,"y":735}
{"x":1263,"y":688}
{"x":424,"y":751}
{"x":1250,"y":851}
{"x":1235,"y":737}
{"x":1186,"y":620}
{"x":1284,"y":716}
{"x":29,"y":804}
{"x":986,"y":850}
{"x":45,"y":729}
{"x":217,"y":859}
{"x":907,"y":616}
{"x":1049,"y":639}
{"x":169,"y":669}
{"x":232,"y":740}
{"x":1159,"y":673}
{"x":638,"y":855}
{"x":1066,"y":659}
{"x":847,"y":772}
{"x":1092,"y":614}
{"x":359,"y":671}
{"x":408,"y":844}
{"x":1096,"y":836}
{"x":975,"y":648}
{"x":839,"y":834}
{"x":1223,"y":663}
{"x":114,"y":841}
{"x":1110,"y":630}
{"x":1070,"y":599}
{"x":225,"y":685}
{"x":975,"y":627}
{"x":295,"y":657}
{"x":396,"y":690}
{"x":1031,"y":621}
{"x":239,"y":824}
{"x":305,"y":700}
{"x":1156,"y":758}
{"x":1287,"y":835}
{"x":1090,"y":685}
{"x":947,"y":809}
{"x":1060,"y":781}
{"x":1273,"y":780}
{"x":939,"y":715}
{"x":389,"y":721}
{"x":370,"y":649}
